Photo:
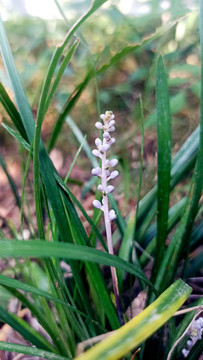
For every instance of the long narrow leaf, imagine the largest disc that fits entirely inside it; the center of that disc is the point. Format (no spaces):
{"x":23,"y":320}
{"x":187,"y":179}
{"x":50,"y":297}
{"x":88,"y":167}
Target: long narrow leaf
{"x":42,"y":249}
{"x":25,"y":330}
{"x":60,"y":73}
{"x":21,"y":99}
{"x":181,"y":238}
{"x":164,"y":160}
{"x":13,"y":283}
{"x":132,"y":334}
{"x":11,"y":110}
{"x":22,"y":349}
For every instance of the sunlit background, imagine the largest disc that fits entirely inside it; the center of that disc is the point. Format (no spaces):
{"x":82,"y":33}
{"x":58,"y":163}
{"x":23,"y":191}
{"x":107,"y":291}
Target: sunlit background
{"x":47,"y":9}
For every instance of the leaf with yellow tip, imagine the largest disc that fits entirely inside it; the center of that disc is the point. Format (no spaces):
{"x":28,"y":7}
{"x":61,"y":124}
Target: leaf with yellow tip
{"x":137,"y":330}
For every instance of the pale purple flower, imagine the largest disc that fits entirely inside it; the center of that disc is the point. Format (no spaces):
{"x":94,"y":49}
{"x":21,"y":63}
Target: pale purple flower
{"x":111,"y":129}
{"x":103,"y":117}
{"x":110,"y":189}
{"x":113,"y":162}
{"x":98,"y":125}
{"x":102,"y":148}
{"x":96,"y":171}
{"x":98,"y":142}
{"x":100,"y":187}
{"x":103,"y":145}
{"x":106,"y":135}
{"x":113,"y":175}
{"x":112,"y":122}
{"x":96,"y":153}
{"x":195,"y":333}
{"x":97,"y":204}
{"x":112,"y":215}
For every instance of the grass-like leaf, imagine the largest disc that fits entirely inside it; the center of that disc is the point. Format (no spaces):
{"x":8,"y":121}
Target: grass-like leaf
{"x":11,"y":110}
{"x":164,"y":161}
{"x":22,"y":349}
{"x":132,"y":334}
{"x":9,"y":282}
{"x":21,"y":99}
{"x":42,"y":249}
{"x":181,"y":238}
{"x":25,"y":330}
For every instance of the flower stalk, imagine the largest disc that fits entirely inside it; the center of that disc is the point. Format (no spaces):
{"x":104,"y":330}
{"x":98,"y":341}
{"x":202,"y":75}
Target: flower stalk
{"x":105,"y":175}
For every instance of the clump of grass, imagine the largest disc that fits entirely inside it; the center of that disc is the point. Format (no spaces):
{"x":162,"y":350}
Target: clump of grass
{"x":80,"y":308}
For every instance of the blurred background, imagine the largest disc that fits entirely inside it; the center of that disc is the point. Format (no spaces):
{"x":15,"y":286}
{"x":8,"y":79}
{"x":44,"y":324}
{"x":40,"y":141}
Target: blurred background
{"x":34,"y":28}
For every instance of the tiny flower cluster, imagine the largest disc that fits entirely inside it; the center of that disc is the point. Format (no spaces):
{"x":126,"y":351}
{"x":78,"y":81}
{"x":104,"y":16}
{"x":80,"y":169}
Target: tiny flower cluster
{"x":104,"y":172}
{"x":195,"y":333}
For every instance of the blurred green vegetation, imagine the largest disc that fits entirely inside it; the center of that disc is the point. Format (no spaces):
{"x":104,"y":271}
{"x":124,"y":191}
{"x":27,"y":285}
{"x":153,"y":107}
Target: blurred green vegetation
{"x":109,"y":73}
{"x":32,"y":41}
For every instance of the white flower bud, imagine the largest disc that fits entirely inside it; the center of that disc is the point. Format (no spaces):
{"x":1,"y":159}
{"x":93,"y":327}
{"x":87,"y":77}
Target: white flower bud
{"x":111,"y":129}
{"x":185,"y":352}
{"x":96,"y":171}
{"x":110,"y":189}
{"x":111,"y":123}
{"x":112,"y":141}
{"x":97,"y":204}
{"x":113,"y":175}
{"x":96,"y":153}
{"x":98,"y":125}
{"x":113,"y":162}
{"x":189,"y":343}
{"x":105,"y":147}
{"x":100,"y":187}
{"x":103,"y":117}
{"x":106,"y":135}
{"x":98,"y":142}
{"x":112,"y":215}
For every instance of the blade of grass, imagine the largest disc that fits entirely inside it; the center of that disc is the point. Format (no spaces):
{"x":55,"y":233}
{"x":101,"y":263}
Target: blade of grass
{"x":182,"y":162}
{"x":42,"y":249}
{"x":126,"y":247}
{"x":181,"y":238}
{"x":13,"y":283}
{"x":141,"y":161}
{"x":12,"y":111}
{"x":67,"y":108}
{"x":23,"y":349}
{"x":78,"y":204}
{"x":21,"y":99}
{"x":79,"y":136}
{"x":75,"y":159}
{"x":60,"y":73}
{"x":47,"y":320}
{"x":164,"y":162}
{"x":132,"y":334}
{"x":17,"y":136}
{"x":129,"y":49}
{"x":25,"y":330}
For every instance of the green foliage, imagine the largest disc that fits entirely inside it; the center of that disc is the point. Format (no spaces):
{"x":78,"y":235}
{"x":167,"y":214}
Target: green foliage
{"x":166,"y":226}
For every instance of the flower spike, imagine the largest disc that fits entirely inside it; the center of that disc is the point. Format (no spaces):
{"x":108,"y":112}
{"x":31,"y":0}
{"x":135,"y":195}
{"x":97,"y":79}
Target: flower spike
{"x":103,"y":147}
